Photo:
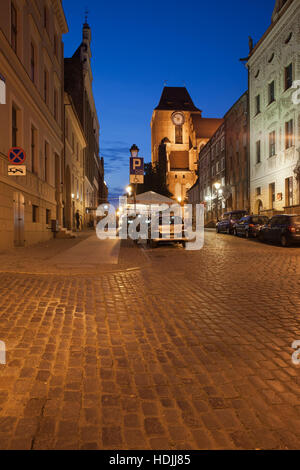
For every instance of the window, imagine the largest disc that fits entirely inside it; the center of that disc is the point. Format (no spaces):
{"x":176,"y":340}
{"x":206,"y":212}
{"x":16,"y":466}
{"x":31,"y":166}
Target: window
{"x":223,"y":143}
{"x":271,"y":92}
{"x":32,"y":62}
{"x":14,"y":127}
{"x":213,"y":170}
{"x":289,"y":134}
{"x":46,"y":151}
{"x":218,"y":167}
{"x":272,"y":144}
{"x":55,"y":45}
{"x":33,"y":149}
{"x":48,"y":216}
{"x":272,"y":194}
{"x":46,"y":19}
{"x":257,"y":104}
{"x":288,"y":76}
{"x":258,"y":152}
{"x":258,"y":191}
{"x":35,"y":214}
{"x":289,"y":191}
{"x":13,"y":27}
{"x":46,"y":85}
{"x":67,"y":128}
{"x":55,"y":104}
{"x":178,"y":135}
{"x":223,"y":163}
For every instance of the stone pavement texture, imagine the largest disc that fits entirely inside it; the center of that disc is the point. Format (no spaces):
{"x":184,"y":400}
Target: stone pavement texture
{"x":190,"y":350}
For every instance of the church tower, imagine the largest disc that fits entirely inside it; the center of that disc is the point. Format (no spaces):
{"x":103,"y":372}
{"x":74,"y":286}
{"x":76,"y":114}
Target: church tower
{"x":178,"y":123}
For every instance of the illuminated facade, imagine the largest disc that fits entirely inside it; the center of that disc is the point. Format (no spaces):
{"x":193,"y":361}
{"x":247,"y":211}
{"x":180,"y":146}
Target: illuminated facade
{"x":75,"y":144}
{"x":178,"y":124}
{"x":274,"y":65}
{"x":79,"y":85}
{"x":31,"y":61}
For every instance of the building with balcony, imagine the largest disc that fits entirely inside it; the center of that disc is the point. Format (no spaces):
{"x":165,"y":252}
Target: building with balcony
{"x":274,"y":67}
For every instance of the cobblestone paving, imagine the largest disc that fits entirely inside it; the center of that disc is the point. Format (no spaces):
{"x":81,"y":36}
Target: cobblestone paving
{"x":192,"y":351}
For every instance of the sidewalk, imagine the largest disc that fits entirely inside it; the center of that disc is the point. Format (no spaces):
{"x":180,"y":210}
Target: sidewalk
{"x":85,"y":254}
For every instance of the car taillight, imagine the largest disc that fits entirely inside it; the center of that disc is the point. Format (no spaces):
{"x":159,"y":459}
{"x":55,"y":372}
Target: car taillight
{"x":251,"y":225}
{"x":292,"y":229}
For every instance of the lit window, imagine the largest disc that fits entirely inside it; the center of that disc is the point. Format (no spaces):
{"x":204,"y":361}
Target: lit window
{"x":289,"y":130}
{"x":272,"y":144}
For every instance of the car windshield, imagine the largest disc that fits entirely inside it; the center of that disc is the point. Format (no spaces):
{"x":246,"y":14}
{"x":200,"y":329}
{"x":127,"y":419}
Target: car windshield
{"x":260,"y":220}
{"x":237,"y":215}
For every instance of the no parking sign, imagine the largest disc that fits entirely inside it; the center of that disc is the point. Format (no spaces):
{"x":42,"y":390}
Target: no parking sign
{"x":16,"y":156}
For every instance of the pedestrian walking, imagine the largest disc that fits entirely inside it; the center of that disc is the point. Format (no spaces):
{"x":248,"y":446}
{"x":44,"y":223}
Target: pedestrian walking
{"x":77,"y":217}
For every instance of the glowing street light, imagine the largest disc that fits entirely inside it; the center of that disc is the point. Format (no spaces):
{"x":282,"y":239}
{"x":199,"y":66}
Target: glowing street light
{"x":219,"y":193}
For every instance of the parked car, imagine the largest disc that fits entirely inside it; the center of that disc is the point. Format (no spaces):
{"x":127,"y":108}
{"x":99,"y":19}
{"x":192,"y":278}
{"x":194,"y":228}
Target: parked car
{"x":228,"y":220}
{"x":250,"y":225}
{"x":283,"y":228}
{"x":170,"y":230}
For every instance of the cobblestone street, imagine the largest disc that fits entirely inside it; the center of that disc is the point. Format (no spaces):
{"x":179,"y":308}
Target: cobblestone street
{"x":168,"y":349}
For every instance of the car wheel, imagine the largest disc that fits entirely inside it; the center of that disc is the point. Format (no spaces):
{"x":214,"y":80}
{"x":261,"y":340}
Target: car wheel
{"x":228,"y":231}
{"x":153,"y":244}
{"x":235,"y":232}
{"x":261,"y":237}
{"x":247,"y":233}
{"x":284,"y":241}
{"x":183,"y":244}
{"x":217,"y":229}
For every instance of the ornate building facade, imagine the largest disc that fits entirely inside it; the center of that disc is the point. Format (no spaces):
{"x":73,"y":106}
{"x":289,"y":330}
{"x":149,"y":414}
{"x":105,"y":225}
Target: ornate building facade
{"x":78,"y":84}
{"x":178,"y":123}
{"x":31,"y":61}
{"x":274,"y":66}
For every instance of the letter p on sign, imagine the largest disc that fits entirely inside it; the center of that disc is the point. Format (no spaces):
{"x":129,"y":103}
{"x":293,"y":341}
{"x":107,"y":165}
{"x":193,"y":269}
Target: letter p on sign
{"x":137,"y":163}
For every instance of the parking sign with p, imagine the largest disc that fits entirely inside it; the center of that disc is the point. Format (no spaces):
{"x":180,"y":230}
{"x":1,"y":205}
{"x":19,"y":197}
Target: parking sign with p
{"x":137,"y":170}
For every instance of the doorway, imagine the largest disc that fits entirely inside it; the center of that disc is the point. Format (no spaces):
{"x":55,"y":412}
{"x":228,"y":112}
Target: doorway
{"x":19,"y":219}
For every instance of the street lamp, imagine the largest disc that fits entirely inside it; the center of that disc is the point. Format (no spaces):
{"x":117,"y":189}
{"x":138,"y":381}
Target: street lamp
{"x":217,"y":187}
{"x":134,"y":151}
{"x":129,"y":190}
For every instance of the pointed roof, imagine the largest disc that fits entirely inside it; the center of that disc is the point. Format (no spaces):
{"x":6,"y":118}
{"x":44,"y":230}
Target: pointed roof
{"x":177,"y":99}
{"x":150,"y":197}
{"x":205,"y":127}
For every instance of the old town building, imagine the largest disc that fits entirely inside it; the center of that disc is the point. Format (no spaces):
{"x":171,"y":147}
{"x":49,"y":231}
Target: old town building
{"x":223,"y":182}
{"x":75,"y":143}
{"x":78,"y":84}
{"x":179,"y":124}
{"x":31,"y":62}
{"x":212,"y":173}
{"x":236,"y":191}
{"x":274,"y":66}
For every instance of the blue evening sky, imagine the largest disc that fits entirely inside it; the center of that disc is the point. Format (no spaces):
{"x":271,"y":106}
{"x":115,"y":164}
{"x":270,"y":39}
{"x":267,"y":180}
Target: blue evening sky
{"x":137,"y":45}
